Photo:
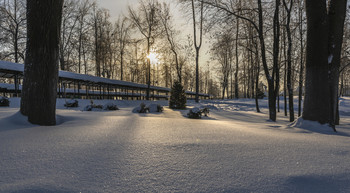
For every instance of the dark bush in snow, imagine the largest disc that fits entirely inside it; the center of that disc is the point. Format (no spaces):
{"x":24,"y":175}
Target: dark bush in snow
{"x":4,"y":102}
{"x":71,"y":103}
{"x":93,"y":106}
{"x":196,"y":113}
{"x":177,"y":97}
{"x":110,"y":106}
{"x":143,"y":108}
{"x":152,"y":108}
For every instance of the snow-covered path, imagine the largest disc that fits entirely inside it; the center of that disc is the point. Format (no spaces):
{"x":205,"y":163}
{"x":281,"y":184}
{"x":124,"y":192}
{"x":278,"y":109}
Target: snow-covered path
{"x":123,"y":151}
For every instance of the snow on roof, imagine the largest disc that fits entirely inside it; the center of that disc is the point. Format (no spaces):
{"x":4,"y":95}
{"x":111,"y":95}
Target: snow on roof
{"x":10,"y":66}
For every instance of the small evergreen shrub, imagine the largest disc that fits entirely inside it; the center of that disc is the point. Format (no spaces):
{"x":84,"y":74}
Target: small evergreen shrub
{"x":71,"y":103}
{"x":177,"y":97}
{"x":4,"y":102}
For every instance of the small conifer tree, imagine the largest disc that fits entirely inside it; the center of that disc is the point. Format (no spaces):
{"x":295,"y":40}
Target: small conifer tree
{"x":177,"y":97}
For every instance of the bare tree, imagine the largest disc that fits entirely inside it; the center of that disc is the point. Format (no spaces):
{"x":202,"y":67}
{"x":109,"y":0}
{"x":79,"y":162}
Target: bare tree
{"x":171,"y":33}
{"x":197,"y":45}
{"x":69,"y":21}
{"x":122,"y":31}
{"x":82,"y":30}
{"x":13,"y":27}
{"x":146,"y":21}
{"x":271,"y":77}
{"x":289,"y":59}
{"x":222,"y":51}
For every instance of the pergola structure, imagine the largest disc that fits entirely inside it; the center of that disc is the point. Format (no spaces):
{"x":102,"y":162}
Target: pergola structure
{"x":76,"y":85}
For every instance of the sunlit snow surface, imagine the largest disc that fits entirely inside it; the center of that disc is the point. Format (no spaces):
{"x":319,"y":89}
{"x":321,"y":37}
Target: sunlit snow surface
{"x":232,"y":150}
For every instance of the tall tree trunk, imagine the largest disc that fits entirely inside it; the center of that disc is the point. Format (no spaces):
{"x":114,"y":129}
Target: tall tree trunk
{"x":289,"y":61}
{"x":270,"y":79}
{"x":121,"y":65}
{"x":336,"y":12}
{"x":41,"y":64}
{"x":276,"y":49}
{"x":324,"y":42}
{"x":237,"y":66}
{"x":316,"y":85}
{"x":301,"y":69}
{"x":285,"y":75}
{"x":148,"y":69}
{"x":197,"y":45}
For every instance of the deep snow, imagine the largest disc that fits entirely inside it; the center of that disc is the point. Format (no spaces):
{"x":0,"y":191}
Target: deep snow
{"x":232,"y":150}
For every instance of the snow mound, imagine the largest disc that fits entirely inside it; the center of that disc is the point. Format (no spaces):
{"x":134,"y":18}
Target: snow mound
{"x":4,"y":101}
{"x":155,"y":108}
{"x":312,"y":126}
{"x":195,"y":110}
{"x":136,"y":110}
{"x":71,"y":103}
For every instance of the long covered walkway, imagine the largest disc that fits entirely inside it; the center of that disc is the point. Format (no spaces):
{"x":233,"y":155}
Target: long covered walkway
{"x":76,"y":85}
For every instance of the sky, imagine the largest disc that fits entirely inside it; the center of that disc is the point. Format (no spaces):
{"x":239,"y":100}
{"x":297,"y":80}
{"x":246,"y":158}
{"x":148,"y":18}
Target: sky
{"x":116,"y":7}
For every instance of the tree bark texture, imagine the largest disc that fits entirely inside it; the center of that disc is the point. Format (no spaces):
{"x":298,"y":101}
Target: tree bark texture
{"x":336,"y":13}
{"x":41,"y":64}
{"x":324,"y":40}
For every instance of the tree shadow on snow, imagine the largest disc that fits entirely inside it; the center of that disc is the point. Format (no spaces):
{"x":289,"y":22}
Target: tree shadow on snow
{"x":18,"y":121}
{"x":316,"y":183}
{"x":41,"y":190}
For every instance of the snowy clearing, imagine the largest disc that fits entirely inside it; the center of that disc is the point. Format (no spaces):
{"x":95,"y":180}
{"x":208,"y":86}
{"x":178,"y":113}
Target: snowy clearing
{"x":232,"y":150}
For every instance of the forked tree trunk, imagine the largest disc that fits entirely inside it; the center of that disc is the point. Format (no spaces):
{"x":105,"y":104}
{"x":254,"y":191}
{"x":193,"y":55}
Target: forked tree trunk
{"x":324,"y":40}
{"x":41,"y":64}
{"x":316,"y":85}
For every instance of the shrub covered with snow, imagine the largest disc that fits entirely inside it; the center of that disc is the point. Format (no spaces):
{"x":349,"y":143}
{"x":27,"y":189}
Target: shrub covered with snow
{"x":110,"y":106}
{"x":4,"y":102}
{"x":93,"y":107}
{"x":177,"y":97}
{"x":71,"y":103}
{"x":153,"y":108}
{"x":196,"y":113}
{"x":141,"y":109}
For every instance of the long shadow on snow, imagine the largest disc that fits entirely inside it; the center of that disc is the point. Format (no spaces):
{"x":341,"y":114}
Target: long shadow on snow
{"x":19,"y":121}
{"x":243,"y":117}
{"x":41,"y":190}
{"x":317,"y":183}
{"x":329,"y":131}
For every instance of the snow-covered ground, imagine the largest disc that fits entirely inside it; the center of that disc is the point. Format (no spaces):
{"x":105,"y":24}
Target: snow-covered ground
{"x":232,"y":150}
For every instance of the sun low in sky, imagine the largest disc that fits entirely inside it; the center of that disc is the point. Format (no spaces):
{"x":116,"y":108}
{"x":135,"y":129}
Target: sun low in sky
{"x":153,"y":56}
